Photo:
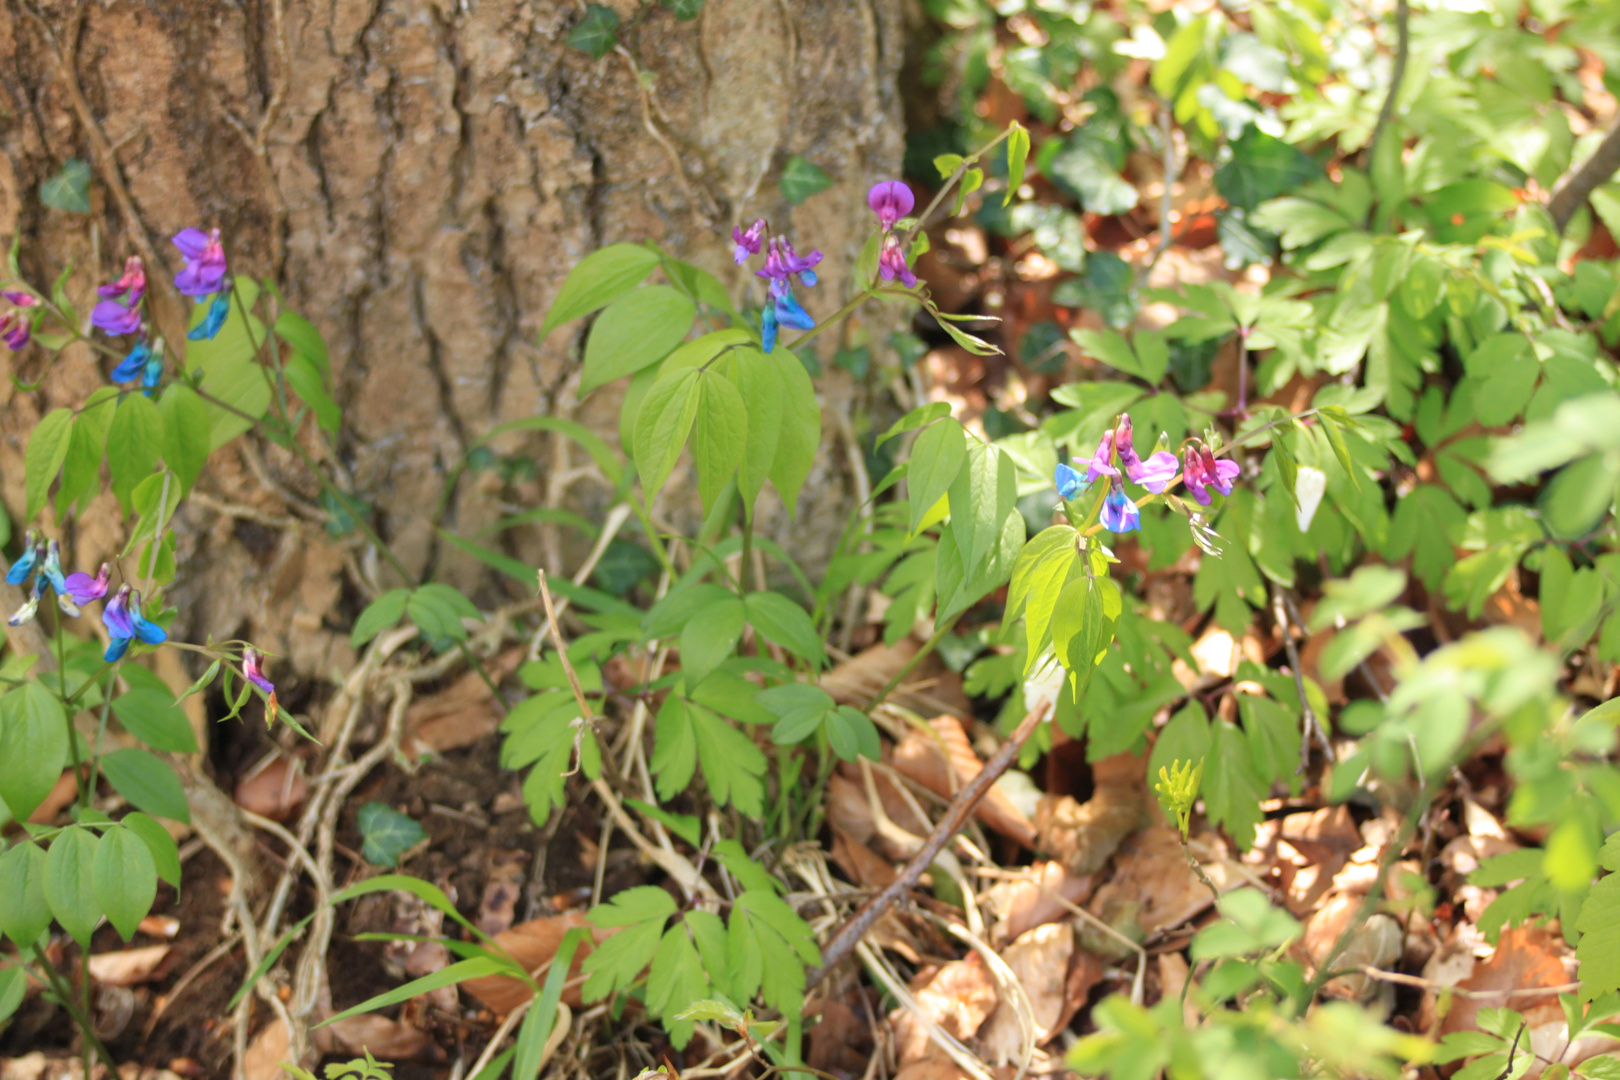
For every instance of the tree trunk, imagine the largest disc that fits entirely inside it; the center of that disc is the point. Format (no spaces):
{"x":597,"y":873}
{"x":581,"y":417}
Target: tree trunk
{"x":419,"y":176}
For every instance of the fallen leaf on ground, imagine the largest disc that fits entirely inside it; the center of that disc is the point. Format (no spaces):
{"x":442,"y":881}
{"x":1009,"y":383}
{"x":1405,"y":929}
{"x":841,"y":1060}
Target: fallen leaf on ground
{"x":533,"y":944}
{"x":923,"y":758}
{"x":840,"y":1042}
{"x":61,"y":795}
{"x":1082,"y":836}
{"x":275,"y":791}
{"x":460,"y":714}
{"x":931,"y":689}
{"x":502,"y":890}
{"x":959,"y":997}
{"x":1032,"y":899}
{"x":1152,"y":886}
{"x":160,"y":926}
{"x":379,"y":1036}
{"x":1040,"y":961}
{"x":849,"y":808}
{"x":1526,"y":957}
{"x":269,"y":1048}
{"x":128,"y":966}
{"x":864,"y":866}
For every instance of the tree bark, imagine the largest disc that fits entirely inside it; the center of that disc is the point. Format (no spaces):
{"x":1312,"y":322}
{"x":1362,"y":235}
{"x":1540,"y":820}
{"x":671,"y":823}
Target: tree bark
{"x":419,"y":176}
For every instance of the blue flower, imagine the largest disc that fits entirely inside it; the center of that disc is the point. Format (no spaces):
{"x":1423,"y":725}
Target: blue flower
{"x":122,"y":617}
{"x":205,"y":330}
{"x":1119,"y":514}
{"x":152,"y":374}
{"x":767,"y":328}
{"x":1070,"y":484}
{"x":25,"y":562}
{"x":129,"y":369}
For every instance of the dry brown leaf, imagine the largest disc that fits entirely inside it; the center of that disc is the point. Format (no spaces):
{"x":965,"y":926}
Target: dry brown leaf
{"x":840,"y":1042}
{"x":1173,"y":973}
{"x":959,"y":997}
{"x":533,"y":944}
{"x":383,"y":1038}
{"x":1310,"y":849}
{"x":269,"y":1048}
{"x":864,"y":866}
{"x":1525,"y":957}
{"x":1082,"y":836}
{"x":274,"y":791}
{"x":1032,"y":899}
{"x":502,"y":889}
{"x":61,"y":795}
{"x":160,"y":926}
{"x":931,"y":689}
{"x":934,"y":1068}
{"x":127,"y":966}
{"x":849,"y":808}
{"x":1376,"y":943}
{"x":460,"y":714}
{"x":923,"y":758}
{"x":1040,"y":960}
{"x":1152,"y":886}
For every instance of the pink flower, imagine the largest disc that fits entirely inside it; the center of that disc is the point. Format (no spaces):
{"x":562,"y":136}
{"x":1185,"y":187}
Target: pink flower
{"x":15,"y":330}
{"x":890,"y":200}
{"x":892,"y":263}
{"x":1155,"y":473}
{"x":129,"y":288}
{"x":20,"y":298}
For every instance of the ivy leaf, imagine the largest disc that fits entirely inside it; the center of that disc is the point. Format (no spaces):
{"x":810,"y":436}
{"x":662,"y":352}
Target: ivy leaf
{"x":69,"y":189}
{"x":802,"y":178}
{"x":1263,"y":167}
{"x":387,"y":833}
{"x":596,"y":33}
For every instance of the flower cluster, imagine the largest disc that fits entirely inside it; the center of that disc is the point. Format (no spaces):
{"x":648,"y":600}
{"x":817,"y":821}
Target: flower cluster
{"x":784,"y":267}
{"x":1198,"y":467}
{"x":204,"y":278}
{"x":42,"y":560}
{"x":891,"y":200}
{"x":17,"y":325}
{"x":121,"y":309}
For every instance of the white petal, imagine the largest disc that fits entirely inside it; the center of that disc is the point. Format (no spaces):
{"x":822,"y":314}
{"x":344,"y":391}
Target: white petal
{"x":1309,"y":484}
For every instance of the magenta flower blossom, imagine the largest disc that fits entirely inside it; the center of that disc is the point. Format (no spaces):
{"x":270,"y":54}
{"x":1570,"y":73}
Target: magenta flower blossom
{"x":16,"y":330}
{"x":253,"y":670}
{"x":890,"y":200}
{"x":20,"y":298}
{"x":783,"y":264}
{"x":748,"y":242}
{"x":204,"y":272}
{"x":130,"y":287}
{"x":122,"y":617}
{"x":1220,"y":471}
{"x":1156,"y":472}
{"x":1119,"y":513}
{"x":1202,"y":470}
{"x":1125,"y":442}
{"x":116,"y":318}
{"x":892,"y":263}
{"x":1100,"y":463}
{"x":83,"y":588}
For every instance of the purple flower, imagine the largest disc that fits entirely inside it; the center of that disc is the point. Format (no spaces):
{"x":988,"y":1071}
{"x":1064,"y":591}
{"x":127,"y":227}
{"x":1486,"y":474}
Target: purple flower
{"x":1220,"y":471}
{"x":748,"y":243}
{"x":15,"y":330}
{"x":205,"y":262}
{"x":1099,"y":463}
{"x":1119,"y":514}
{"x":129,"y":288}
{"x":1156,"y":472}
{"x":115,"y":318}
{"x":1125,"y":442}
{"x":1070,"y":484}
{"x":32,"y":550}
{"x":890,"y":200}
{"x":129,"y":369}
{"x":205,"y":330}
{"x":122,"y":617}
{"x":21,"y":299}
{"x":253,"y":670}
{"x":783,"y":264}
{"x":83,"y":588}
{"x":1192,"y":474}
{"x":892,"y":263}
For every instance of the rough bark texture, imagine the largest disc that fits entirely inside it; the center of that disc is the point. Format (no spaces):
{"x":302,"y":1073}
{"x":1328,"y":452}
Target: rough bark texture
{"x":419,"y":176}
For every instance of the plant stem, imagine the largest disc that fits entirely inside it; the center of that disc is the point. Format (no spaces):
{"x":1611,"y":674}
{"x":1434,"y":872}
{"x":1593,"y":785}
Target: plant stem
{"x":911,"y":665}
{"x":1403,"y":48}
{"x":67,"y":710}
{"x":951,"y":181}
{"x":81,"y":1017}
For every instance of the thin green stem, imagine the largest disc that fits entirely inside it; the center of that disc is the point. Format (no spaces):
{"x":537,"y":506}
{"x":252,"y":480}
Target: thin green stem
{"x":67,"y":711}
{"x":834,"y":319}
{"x":951,"y":181}
{"x":101,"y":733}
{"x":911,"y":665}
{"x":80,"y":1016}
{"x":88,"y":683}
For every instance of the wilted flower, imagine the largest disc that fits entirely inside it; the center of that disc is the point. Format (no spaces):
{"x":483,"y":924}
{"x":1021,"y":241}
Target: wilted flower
{"x":16,"y":330}
{"x":890,"y":200}
{"x":204,"y":272}
{"x":122,"y":617}
{"x":892,"y":263}
{"x":747,"y":242}
{"x":1119,"y":513}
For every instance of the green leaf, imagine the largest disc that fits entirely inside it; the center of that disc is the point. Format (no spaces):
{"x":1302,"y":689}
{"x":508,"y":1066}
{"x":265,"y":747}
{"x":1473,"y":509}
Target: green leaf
{"x":124,"y":879}
{"x":709,"y":637}
{"x":982,"y":495}
{"x":1599,"y":948}
{"x":719,"y":435}
{"x":761,"y":389}
{"x":165,"y":853}
{"x":379,"y":615}
{"x":1083,"y":625}
{"x":309,"y":383}
{"x":802,"y":178}
{"x":47,"y":449}
{"x":674,"y":980}
{"x":685,"y":10}
{"x":662,"y":425}
{"x":13,"y":987}
{"x":81,"y":469}
{"x":1232,"y":790}
{"x":1038,"y":578}
{"x":602,"y":276}
{"x":1263,"y":167}
{"x":24,"y":911}
{"x":786,"y":623}
{"x":387,"y":833}
{"x":185,"y":432}
{"x":69,"y":888}
{"x":134,"y":444}
{"x":593,"y":444}
{"x":1017,"y":156}
{"x":268,"y":962}
{"x":151,"y":716}
{"x":596,"y":33}
{"x":301,"y":334}
{"x":69,"y":189}
{"x":147,"y":782}
{"x":732,"y":764}
{"x":1424,"y":521}
{"x":921,"y":416}
{"x":459,"y":972}
{"x":429,"y":894}
{"x":33,"y":747}
{"x":635,"y":331}
{"x":617,"y":962}
{"x":438,"y":611}
{"x":800,"y":438}
{"x":936,"y":458}
{"x":542,"y":1018}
